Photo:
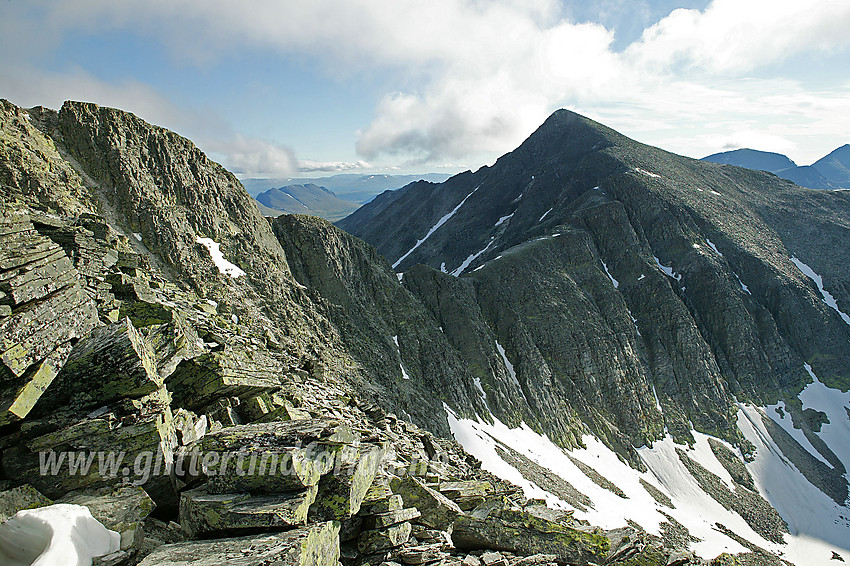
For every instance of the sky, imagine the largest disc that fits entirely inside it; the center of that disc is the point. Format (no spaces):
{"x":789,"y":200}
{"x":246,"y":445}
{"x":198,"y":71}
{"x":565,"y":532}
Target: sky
{"x":275,"y":89}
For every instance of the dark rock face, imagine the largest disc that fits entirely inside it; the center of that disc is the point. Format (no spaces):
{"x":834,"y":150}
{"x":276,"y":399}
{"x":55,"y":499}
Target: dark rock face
{"x":410,"y":363}
{"x":612,"y":272}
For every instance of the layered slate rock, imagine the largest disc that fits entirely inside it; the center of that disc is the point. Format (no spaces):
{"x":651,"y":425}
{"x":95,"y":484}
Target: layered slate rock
{"x":316,"y":545}
{"x":42,"y":309}
{"x":437,"y":511}
{"x":111,"y":363}
{"x":122,"y":510}
{"x":20,"y":498}
{"x":203,"y":512}
{"x":272,"y":457}
{"x":342,"y":492}
{"x":198,"y":382}
{"x":523,"y":532}
{"x":126,"y":441}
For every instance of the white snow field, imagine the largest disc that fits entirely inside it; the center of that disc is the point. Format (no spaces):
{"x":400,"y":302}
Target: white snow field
{"x":818,"y":526}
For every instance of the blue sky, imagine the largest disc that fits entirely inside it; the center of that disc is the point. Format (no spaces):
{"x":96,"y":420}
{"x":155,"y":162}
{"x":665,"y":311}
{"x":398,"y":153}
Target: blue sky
{"x":284,"y":88}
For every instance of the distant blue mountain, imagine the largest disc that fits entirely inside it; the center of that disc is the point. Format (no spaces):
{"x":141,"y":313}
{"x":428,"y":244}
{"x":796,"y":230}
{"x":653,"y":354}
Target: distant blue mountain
{"x":830,"y":172}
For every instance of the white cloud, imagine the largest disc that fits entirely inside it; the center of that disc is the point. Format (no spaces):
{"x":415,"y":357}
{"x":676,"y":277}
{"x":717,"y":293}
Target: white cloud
{"x":255,"y":158}
{"x":475,"y":78}
{"x":733,"y":36}
{"x":308,"y":166}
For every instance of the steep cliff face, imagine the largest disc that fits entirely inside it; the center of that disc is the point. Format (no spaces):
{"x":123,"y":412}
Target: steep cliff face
{"x":630,"y":274}
{"x":405,"y":358}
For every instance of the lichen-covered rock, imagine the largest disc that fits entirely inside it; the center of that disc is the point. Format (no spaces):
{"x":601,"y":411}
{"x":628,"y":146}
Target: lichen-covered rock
{"x":390,"y":518}
{"x":272,"y":457}
{"x":342,"y":492}
{"x":522,"y":532}
{"x":437,"y":511}
{"x":43,"y":309}
{"x":125,"y":442}
{"x":315,"y":545}
{"x":111,"y":363}
{"x":20,"y":498}
{"x":203,"y":512}
{"x":374,"y":541}
{"x":198,"y":382}
{"x":122,"y":510}
{"x":467,"y":494}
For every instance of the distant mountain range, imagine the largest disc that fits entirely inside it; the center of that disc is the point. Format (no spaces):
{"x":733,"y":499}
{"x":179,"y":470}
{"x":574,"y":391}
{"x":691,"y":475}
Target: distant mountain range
{"x":307,"y":199}
{"x":830,"y":172}
{"x":351,"y":187}
{"x":331,"y":198}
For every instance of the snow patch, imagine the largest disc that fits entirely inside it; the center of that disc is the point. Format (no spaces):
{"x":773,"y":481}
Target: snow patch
{"x":833,"y":402}
{"x":545,"y":214}
{"x":137,"y":236}
{"x":827,"y":296}
{"x":56,"y":534}
{"x":716,"y":193}
{"x":504,"y":219}
{"x":647,"y":173}
{"x":642,"y":277}
{"x":404,"y":373}
{"x":712,"y":246}
{"x":818,"y":526}
{"x":224,"y":266}
{"x":435,"y":227}
{"x":611,"y":277}
{"x":744,"y":287}
{"x":471,"y":258}
{"x":400,"y":276}
{"x":788,"y":425}
{"x":668,"y":270}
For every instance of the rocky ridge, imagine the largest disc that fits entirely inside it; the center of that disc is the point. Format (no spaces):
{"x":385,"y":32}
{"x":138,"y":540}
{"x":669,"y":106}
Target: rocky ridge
{"x":144,"y":383}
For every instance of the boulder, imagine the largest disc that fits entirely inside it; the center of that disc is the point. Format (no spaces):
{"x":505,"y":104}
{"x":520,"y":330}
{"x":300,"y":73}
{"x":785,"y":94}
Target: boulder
{"x":467,"y":494}
{"x":437,"y":510}
{"x":272,"y":457}
{"x":111,"y":363}
{"x":377,"y":540}
{"x":20,"y":498}
{"x":342,"y":492}
{"x":198,"y":382}
{"x":122,"y":510}
{"x":315,"y":545}
{"x":523,"y":533}
{"x":202,"y":512}
{"x":132,"y":441}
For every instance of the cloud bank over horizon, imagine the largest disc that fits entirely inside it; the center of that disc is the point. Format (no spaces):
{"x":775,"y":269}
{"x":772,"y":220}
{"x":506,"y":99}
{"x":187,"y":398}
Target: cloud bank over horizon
{"x":458,"y":80}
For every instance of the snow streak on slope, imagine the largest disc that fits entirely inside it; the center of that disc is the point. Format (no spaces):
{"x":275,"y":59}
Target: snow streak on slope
{"x":667,"y":270}
{"x":804,"y":507}
{"x":783,"y":419}
{"x":818,"y":525}
{"x":836,"y":405}
{"x":827,"y":296}
{"x":471,"y":258}
{"x":435,"y":227}
{"x":401,"y":365}
{"x":611,"y":277}
{"x":224,"y":266}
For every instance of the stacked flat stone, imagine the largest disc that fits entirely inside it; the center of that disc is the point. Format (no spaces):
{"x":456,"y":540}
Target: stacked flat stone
{"x":43,"y":308}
